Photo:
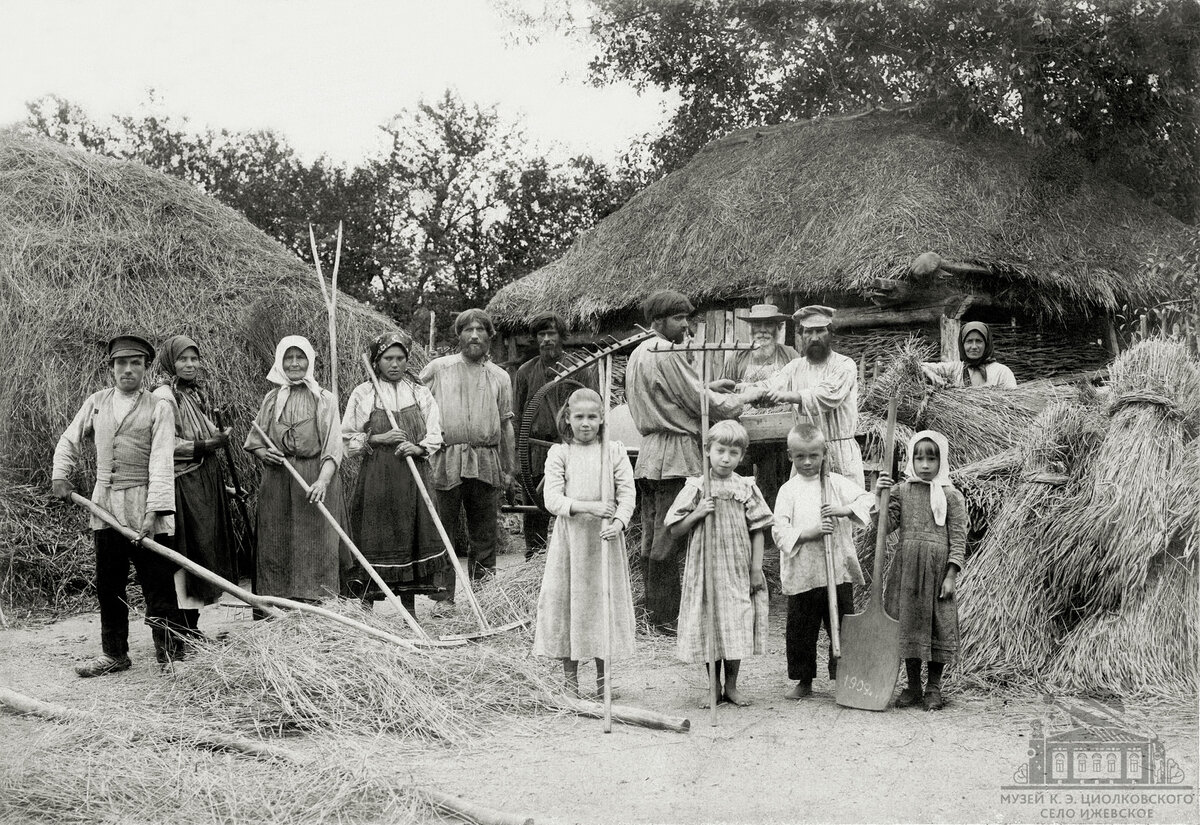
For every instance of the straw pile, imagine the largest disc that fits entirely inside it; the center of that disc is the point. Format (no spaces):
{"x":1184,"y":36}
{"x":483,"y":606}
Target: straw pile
{"x":93,"y":247}
{"x":300,"y":673}
{"x":1087,"y":579}
{"x":80,"y":772}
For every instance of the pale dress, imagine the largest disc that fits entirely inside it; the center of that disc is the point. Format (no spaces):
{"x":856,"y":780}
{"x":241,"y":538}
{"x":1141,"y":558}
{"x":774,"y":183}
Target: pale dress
{"x":741,"y":618}
{"x":570,"y":607}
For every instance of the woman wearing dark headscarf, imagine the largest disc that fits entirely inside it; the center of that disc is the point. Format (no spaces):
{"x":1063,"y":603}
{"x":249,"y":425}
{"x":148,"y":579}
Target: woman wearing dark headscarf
{"x":388,"y":518}
{"x":203,"y":530}
{"x":298,"y":550}
{"x":977,"y":365}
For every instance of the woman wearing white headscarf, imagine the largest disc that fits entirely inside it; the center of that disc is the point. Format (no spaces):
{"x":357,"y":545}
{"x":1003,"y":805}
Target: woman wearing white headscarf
{"x":298,"y":550}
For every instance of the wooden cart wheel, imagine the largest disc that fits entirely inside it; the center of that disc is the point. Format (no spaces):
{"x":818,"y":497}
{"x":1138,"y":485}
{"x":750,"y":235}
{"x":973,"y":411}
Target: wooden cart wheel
{"x":525,"y":441}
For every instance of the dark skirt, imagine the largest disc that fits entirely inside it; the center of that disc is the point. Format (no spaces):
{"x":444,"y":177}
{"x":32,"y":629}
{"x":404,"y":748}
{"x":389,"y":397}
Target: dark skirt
{"x":203,"y":528}
{"x":389,"y":520}
{"x":299,"y":552}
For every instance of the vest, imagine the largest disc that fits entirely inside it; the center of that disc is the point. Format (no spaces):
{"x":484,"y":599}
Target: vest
{"x":123,"y":447}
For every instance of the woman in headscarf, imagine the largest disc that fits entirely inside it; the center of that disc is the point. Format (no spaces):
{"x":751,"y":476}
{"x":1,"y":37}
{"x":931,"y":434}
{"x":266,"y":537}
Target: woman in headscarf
{"x":203,"y":529}
{"x":770,"y":462}
{"x":977,"y":365}
{"x":298,"y":550}
{"x":389,"y":520}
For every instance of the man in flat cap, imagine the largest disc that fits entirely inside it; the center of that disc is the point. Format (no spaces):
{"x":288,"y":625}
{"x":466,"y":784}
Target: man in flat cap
{"x":550,"y":330}
{"x":823,"y":385}
{"x":134,"y":434}
{"x":663,"y":391}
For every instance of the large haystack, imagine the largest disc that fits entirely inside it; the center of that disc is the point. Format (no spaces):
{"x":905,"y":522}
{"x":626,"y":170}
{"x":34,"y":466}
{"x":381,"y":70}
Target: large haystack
{"x":825,"y":207}
{"x":90,"y":247}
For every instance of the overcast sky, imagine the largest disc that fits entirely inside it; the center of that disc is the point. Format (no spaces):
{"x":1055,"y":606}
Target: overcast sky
{"x":324,"y":74}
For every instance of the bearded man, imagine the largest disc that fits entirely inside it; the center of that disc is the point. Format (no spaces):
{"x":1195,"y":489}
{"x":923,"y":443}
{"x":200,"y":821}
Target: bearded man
{"x":823,"y":385}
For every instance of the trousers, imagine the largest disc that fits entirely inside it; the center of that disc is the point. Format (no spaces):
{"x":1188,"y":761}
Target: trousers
{"x":481,"y":502}
{"x":807,"y":613}
{"x":114,"y":553}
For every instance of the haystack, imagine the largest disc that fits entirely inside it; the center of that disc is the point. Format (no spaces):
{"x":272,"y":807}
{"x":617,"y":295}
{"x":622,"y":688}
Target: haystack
{"x":91,"y":247}
{"x":1087,"y":580}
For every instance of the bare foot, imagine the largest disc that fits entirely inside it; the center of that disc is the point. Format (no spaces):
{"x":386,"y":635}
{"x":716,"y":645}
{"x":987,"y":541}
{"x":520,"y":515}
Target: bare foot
{"x":799,"y":691}
{"x":734,"y":696}
{"x":706,"y":700}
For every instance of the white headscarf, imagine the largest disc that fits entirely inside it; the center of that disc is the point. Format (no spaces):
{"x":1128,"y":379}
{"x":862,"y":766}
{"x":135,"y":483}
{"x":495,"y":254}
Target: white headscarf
{"x":278,"y":376}
{"x":937,"y":496}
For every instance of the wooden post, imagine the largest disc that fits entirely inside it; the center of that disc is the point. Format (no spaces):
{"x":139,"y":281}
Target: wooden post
{"x":950,"y":329}
{"x":432,"y":331}
{"x":1114,"y":343}
{"x":1143,"y":327}
{"x":862,"y":368}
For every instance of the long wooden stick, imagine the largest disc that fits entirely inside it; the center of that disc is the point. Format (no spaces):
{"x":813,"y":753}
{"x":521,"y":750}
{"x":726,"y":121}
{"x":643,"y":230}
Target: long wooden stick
{"x":464,"y":580}
{"x":470,"y":811}
{"x":366,"y":565}
{"x":268,"y":604}
{"x":606,"y":483}
{"x":885,"y":496}
{"x":333,"y":299}
{"x":705,"y":549}
{"x":622,"y":713}
{"x":830,"y":586}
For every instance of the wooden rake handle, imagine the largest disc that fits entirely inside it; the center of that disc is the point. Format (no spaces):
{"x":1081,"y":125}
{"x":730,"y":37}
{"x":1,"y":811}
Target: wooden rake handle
{"x":464,"y":580}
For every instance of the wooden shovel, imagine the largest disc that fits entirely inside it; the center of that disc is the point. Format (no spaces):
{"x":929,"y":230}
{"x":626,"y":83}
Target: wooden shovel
{"x":870,"y":659}
{"x":463,"y":580}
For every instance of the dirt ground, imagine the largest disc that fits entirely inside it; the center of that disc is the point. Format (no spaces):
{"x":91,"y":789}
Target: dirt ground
{"x":774,"y":762}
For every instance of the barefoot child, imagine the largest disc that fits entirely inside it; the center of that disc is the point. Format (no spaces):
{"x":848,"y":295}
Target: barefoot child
{"x":932,"y":517}
{"x":570,"y":607}
{"x":801,"y":524}
{"x":735,"y":545}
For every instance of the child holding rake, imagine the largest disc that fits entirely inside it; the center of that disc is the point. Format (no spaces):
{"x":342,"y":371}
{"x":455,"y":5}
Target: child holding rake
{"x":809,"y":508}
{"x":735,"y":545}
{"x":570,"y":607}
{"x":932,"y":517}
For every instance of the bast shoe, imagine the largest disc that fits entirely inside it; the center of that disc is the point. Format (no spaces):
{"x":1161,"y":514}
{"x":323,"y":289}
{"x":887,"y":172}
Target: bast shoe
{"x":103,"y":664}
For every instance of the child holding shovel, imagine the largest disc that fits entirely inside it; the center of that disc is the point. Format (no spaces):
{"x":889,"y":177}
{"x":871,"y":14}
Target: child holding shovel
{"x":810,"y":506}
{"x":570,"y":607}
{"x":735,"y":543}
{"x":932,"y":516}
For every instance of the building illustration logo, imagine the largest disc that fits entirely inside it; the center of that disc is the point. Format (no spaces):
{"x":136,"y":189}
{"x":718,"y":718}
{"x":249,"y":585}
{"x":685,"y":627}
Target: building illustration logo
{"x":1099,"y":766}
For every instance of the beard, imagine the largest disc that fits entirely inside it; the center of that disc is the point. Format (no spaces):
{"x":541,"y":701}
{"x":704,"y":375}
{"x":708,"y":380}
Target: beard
{"x":816,"y":351}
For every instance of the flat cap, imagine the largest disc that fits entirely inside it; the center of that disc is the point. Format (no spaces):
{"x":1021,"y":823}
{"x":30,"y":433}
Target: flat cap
{"x":125,"y":345}
{"x":814,"y":315}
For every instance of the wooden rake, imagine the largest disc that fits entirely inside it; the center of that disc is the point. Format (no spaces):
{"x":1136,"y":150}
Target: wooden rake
{"x":706,"y":530}
{"x":464,"y":581}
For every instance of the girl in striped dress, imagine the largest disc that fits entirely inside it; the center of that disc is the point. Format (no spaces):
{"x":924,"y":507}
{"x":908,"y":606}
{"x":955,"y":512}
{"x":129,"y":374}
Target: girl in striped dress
{"x":735,"y":546}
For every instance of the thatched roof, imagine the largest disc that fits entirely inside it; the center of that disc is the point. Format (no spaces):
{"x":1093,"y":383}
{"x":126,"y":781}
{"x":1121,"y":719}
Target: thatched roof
{"x":827,"y":206}
{"x":90,"y":247}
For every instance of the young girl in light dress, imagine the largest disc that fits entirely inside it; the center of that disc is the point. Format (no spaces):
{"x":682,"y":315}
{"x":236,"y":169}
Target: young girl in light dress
{"x":571,"y":606}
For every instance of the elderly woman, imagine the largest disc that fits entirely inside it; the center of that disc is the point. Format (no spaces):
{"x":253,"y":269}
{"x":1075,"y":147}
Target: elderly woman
{"x":977,"y":365}
{"x":298,"y":550}
{"x":770,"y":461}
{"x":388,"y":519}
{"x":203,"y":529}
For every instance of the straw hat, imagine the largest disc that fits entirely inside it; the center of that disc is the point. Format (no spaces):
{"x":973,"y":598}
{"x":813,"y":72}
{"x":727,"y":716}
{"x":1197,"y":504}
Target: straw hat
{"x":763,"y":312}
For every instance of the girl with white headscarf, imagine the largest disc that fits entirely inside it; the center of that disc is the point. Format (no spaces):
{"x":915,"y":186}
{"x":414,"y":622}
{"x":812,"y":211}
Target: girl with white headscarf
{"x":932,"y":518}
{"x":298,"y":550}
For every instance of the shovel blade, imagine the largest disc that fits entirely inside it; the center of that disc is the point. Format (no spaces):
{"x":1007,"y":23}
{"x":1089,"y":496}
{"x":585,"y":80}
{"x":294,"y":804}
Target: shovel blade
{"x":870,"y":662}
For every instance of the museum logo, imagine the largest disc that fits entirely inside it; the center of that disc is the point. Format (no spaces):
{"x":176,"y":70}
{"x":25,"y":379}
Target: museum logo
{"x":1098,"y":768}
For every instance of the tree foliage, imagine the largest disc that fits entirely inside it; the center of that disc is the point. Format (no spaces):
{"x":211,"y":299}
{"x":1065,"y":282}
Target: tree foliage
{"x":1116,"y":79}
{"x":459,"y":206}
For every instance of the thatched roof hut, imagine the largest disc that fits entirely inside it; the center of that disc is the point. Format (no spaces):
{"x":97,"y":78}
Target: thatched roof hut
{"x":90,"y":247}
{"x":838,"y":210}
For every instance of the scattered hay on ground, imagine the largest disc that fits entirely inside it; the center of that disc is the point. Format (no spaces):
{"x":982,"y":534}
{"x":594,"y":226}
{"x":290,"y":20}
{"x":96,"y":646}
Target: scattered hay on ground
{"x":84,"y":773}
{"x":300,"y":673}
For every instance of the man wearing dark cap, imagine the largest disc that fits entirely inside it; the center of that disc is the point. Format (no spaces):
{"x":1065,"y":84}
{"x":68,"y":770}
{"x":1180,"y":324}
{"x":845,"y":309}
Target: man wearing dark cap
{"x":476,"y":462}
{"x":823,"y":385}
{"x":134,"y":434}
{"x":551,"y":332}
{"x":663,"y":391}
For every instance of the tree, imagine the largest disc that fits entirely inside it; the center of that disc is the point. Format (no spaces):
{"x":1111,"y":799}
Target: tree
{"x":1117,"y":79}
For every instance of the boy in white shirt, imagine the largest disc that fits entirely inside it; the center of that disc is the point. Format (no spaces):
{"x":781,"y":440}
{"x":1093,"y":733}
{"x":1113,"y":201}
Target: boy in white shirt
{"x":801,"y":524}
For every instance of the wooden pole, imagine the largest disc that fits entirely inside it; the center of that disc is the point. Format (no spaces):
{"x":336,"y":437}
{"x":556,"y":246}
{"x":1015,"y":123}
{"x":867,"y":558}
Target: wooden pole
{"x":622,"y":713}
{"x":463,"y":580}
{"x":469,"y":811}
{"x":366,"y":565}
{"x":268,"y":604}
{"x":606,"y":484}
{"x":432,"y":331}
{"x":333,"y":296}
{"x":830,"y":585}
{"x":705,"y":534}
